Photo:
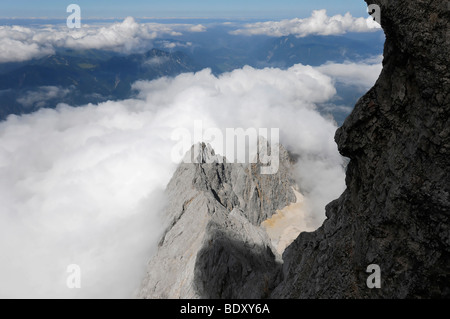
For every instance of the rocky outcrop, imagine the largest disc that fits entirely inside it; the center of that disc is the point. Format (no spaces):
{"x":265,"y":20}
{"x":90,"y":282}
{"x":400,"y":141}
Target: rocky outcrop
{"x":396,"y":208}
{"x":394,"y":212}
{"x":214,"y":246}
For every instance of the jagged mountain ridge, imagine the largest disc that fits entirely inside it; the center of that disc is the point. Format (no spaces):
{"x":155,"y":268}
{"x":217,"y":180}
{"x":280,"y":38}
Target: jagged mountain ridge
{"x":214,"y":243}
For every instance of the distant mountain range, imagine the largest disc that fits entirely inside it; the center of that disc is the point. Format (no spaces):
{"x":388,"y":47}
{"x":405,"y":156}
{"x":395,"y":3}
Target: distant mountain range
{"x":223,"y":52}
{"x":314,"y":50}
{"x":80,"y":77}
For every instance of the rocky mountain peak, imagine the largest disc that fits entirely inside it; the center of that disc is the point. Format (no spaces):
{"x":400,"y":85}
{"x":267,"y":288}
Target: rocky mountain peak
{"x":214,"y":242}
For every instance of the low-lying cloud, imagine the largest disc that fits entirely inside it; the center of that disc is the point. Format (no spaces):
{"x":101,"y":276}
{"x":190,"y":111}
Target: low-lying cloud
{"x":85,"y":185}
{"x":360,"y":74}
{"x":41,"y":95}
{"x":18,"y":43}
{"x":318,"y":24}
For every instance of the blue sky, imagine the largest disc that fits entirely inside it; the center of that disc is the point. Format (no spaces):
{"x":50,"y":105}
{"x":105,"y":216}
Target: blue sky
{"x":180,"y":8}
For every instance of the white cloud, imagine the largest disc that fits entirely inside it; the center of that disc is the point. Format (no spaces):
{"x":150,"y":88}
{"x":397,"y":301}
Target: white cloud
{"x":363,"y":75}
{"x":22,"y":43}
{"x":16,"y":44}
{"x":330,"y":108}
{"x":157,"y":60}
{"x":84,"y":185}
{"x":197,"y":28}
{"x":166,"y":44}
{"x":42,"y":94}
{"x":318,"y":24}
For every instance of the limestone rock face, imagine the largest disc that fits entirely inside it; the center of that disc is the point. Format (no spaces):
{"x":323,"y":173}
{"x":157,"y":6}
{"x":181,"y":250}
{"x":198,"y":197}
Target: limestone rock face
{"x":214,"y":246}
{"x":396,"y":209}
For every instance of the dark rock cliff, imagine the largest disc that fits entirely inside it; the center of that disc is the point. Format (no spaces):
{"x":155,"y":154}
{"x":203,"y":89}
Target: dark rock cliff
{"x":395,"y":210}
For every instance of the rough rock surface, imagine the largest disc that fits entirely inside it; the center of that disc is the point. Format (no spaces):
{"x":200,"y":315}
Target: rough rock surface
{"x":395,"y":211}
{"x":214,"y":246}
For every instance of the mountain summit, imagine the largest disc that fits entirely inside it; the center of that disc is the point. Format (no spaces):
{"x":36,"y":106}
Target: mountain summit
{"x":214,"y":245}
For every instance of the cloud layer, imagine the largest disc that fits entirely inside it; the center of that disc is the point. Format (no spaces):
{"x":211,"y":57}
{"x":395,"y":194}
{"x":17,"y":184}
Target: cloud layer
{"x":39,"y":96}
{"x":19,"y":43}
{"x":318,"y":24}
{"x":362,"y":74}
{"x":85,"y":185}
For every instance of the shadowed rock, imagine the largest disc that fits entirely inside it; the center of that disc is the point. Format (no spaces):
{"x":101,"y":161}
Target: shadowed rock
{"x":395,"y":210}
{"x":214,"y":246}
